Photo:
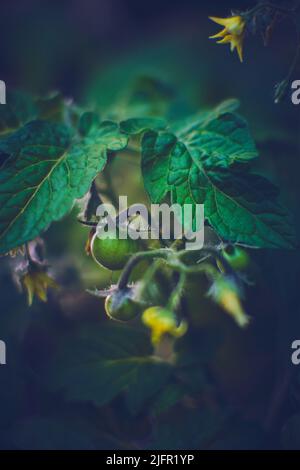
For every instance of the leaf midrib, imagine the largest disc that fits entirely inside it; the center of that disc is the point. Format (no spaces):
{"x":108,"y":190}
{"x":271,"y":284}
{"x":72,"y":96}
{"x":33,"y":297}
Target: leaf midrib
{"x":234,"y":201}
{"x":23,"y":209}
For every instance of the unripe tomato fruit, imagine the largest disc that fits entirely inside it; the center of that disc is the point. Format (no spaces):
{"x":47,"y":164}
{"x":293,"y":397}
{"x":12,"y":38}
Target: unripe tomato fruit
{"x":120,"y":305}
{"x":112,"y":252}
{"x":236,"y":257}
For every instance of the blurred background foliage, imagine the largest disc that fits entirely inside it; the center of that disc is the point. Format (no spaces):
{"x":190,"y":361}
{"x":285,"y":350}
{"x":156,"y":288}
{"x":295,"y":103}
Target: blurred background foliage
{"x":73,"y":378}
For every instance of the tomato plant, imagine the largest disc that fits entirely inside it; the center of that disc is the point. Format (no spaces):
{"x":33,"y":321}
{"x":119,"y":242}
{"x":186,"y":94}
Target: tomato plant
{"x":143,"y":343}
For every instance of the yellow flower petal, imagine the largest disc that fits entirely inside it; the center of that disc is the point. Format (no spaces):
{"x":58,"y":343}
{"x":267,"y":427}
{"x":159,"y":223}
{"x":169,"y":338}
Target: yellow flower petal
{"x":41,"y":292}
{"x":48,"y":281}
{"x":222,"y":33}
{"x":233,"y":33}
{"x":221,"y":21}
{"x":233,"y":24}
{"x":226,"y":40}
{"x":156,"y":337}
{"x":181,"y":329}
{"x":240,"y":51}
{"x":232,"y":305}
{"x":36,"y":283}
{"x":226,"y":293}
{"x":161,"y":322}
{"x":28,"y":284}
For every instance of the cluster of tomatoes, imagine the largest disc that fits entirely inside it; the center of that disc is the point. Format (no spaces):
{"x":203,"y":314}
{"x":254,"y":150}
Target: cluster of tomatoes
{"x":122,"y":304}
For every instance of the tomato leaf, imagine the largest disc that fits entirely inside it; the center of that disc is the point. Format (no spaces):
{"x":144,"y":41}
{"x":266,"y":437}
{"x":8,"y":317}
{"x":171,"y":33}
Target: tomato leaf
{"x":138,"y":125}
{"x":207,"y":165}
{"x":97,"y":364}
{"x":48,"y":169}
{"x":20,"y":109}
{"x":88,"y":122}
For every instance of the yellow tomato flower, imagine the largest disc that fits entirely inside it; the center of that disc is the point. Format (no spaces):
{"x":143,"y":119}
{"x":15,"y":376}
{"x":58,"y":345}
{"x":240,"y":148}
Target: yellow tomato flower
{"x":162,"y":321}
{"x":37,"y":283}
{"x":226,"y":294}
{"x":233,"y":32}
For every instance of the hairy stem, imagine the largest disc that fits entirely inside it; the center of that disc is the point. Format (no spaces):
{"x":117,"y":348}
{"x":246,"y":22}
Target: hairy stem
{"x":136,"y":259}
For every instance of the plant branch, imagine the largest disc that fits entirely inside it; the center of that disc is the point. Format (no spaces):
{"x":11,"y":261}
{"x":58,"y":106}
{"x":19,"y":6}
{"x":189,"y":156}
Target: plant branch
{"x":136,"y":259}
{"x":271,"y":6}
{"x":176,"y":295}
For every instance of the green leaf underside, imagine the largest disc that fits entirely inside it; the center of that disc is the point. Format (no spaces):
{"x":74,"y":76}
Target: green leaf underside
{"x":88,"y":122}
{"x":91,"y":369}
{"x":208,"y":167}
{"x":219,"y":134}
{"x":201,"y":160}
{"x":47,"y":171}
{"x":20,"y":109}
{"x":201,"y":119}
{"x":169,"y":396}
{"x":137,"y":125}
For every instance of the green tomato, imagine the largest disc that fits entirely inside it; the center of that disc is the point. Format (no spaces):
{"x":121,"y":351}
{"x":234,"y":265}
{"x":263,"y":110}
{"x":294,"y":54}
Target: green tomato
{"x":236,"y":257}
{"x":121,"y":306}
{"x":112,"y":252}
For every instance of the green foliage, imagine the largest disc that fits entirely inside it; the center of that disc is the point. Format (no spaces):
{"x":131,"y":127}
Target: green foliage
{"x":20,"y":109}
{"x":97,"y":365}
{"x":218,"y":133}
{"x":201,"y":159}
{"x":48,"y":169}
{"x":136,"y":126}
{"x":88,"y":121}
{"x":168,"y":397}
{"x":205,"y":163}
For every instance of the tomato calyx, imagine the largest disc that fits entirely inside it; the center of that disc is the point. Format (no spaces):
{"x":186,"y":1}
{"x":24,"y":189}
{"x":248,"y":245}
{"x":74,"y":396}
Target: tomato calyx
{"x":236,"y":257}
{"x":122,"y":304}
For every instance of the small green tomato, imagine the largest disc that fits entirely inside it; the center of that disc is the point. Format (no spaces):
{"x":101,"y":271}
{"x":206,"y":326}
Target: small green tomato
{"x":236,"y":257}
{"x":112,"y":252}
{"x":121,"y":305}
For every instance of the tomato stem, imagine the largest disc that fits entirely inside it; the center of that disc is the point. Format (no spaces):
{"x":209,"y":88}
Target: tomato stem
{"x":162,"y":253}
{"x":177,"y":293}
